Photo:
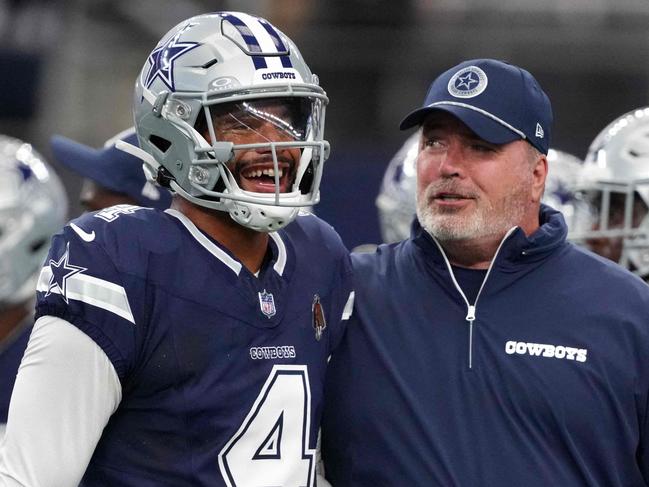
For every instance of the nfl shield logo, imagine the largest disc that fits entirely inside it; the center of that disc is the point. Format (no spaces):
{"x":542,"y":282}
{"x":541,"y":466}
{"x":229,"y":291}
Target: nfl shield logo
{"x":267,"y":303}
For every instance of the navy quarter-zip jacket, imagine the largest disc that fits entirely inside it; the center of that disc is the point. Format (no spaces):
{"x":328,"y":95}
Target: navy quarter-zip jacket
{"x":542,"y":382}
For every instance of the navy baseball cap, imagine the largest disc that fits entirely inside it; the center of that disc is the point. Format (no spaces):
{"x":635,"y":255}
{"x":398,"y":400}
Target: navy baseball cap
{"x":112,"y":168}
{"x":500,"y":102}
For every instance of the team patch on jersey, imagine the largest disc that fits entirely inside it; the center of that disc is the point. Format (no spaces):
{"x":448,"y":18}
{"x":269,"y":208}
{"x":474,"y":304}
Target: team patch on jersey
{"x":546,"y":350}
{"x":319,"y":321}
{"x":267,"y":303}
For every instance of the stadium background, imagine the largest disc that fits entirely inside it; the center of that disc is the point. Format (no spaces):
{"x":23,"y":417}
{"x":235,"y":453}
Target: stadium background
{"x":68,"y":67}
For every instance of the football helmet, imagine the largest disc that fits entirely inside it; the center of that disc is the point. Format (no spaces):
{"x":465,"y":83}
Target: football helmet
{"x":396,"y":202}
{"x":615,"y":182}
{"x":33,"y":206}
{"x":561,"y":193}
{"x":220,"y":74}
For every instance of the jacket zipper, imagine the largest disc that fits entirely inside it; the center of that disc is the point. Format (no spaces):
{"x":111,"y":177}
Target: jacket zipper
{"x":472,"y":308}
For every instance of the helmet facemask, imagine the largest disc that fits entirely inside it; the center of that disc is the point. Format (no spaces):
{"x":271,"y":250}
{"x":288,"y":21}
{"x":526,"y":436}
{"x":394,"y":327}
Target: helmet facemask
{"x":274,"y":165}
{"x":619,"y":223}
{"x":615,"y":183}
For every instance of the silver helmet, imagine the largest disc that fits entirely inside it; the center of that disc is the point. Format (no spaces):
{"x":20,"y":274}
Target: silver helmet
{"x":222,"y":72}
{"x":615,"y":182}
{"x":564,"y":172}
{"x":396,"y":202}
{"x":33,"y":206}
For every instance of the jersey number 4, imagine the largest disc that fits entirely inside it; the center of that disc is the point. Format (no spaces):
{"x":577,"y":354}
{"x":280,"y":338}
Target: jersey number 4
{"x":271,"y":445}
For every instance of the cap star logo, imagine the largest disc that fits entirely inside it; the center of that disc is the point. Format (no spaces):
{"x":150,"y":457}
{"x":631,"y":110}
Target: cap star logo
{"x":163,"y":57}
{"x":62,"y":270}
{"x":468,"y":82}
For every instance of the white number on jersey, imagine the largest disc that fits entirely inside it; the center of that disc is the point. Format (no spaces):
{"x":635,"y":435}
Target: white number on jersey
{"x":271,"y":446}
{"x":113,"y":212}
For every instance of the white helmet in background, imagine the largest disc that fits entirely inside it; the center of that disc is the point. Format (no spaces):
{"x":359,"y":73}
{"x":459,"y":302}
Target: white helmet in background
{"x":396,"y":202}
{"x":234,"y":65}
{"x":564,"y":173}
{"x":615,"y":182}
{"x":33,"y":206}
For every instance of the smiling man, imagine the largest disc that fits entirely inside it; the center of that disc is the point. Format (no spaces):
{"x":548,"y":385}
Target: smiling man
{"x":486,"y":349}
{"x":188,"y":347}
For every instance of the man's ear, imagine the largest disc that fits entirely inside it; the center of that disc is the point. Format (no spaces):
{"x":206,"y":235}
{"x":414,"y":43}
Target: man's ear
{"x":539,"y":174}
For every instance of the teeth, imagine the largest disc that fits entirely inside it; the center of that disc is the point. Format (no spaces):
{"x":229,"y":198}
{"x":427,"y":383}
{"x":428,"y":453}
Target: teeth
{"x":264,"y":172}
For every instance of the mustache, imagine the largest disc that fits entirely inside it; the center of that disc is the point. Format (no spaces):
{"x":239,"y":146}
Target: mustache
{"x":264,"y":159}
{"x":449,"y":186}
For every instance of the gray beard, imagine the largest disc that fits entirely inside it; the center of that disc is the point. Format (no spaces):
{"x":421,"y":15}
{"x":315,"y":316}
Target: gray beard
{"x":485,"y":221}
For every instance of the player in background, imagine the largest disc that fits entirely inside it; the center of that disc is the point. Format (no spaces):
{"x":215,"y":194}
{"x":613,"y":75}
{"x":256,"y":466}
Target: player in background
{"x":188,"y":347}
{"x":111,"y":176}
{"x":615,"y":183}
{"x":396,"y":202}
{"x":33,"y":206}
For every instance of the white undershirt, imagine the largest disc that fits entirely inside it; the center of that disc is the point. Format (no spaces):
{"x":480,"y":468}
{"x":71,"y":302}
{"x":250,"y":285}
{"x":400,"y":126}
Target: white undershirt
{"x":65,"y":392}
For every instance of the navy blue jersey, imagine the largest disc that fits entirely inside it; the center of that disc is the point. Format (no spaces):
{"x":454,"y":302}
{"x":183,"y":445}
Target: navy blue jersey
{"x":222,"y":371}
{"x":556,"y":393}
{"x":11,"y":353}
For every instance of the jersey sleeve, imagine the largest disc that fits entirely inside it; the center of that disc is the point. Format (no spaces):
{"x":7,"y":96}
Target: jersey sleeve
{"x":65,"y":391}
{"x":83,"y":282}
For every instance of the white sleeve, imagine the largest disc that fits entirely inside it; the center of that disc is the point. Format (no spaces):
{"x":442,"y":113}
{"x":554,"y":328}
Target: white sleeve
{"x":65,"y":391}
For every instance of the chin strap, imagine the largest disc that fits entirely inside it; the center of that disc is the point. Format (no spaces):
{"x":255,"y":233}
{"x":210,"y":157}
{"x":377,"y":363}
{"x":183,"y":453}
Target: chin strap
{"x":150,"y":165}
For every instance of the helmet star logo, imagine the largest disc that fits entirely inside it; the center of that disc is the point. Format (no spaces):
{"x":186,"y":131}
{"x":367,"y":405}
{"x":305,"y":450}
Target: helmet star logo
{"x":466,"y":81}
{"x":162,"y":60}
{"x":62,"y":270}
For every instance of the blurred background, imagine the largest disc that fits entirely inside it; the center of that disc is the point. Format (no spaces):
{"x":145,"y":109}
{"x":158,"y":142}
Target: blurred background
{"x":68,"y":67}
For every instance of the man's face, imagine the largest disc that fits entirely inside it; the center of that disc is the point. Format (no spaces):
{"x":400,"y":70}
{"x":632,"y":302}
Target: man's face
{"x":470,"y":189}
{"x":256,"y":122}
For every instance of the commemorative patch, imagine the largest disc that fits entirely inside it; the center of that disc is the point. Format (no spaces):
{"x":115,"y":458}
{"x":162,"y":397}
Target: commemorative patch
{"x":319,"y":322}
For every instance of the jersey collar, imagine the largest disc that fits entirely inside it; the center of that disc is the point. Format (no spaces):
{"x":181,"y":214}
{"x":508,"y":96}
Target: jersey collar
{"x":278,"y":249}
